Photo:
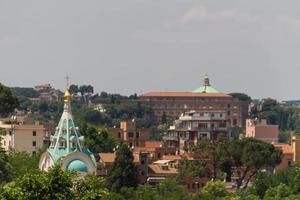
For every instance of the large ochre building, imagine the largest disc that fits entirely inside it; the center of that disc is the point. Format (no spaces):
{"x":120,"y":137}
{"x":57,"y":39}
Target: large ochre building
{"x":67,"y":145}
{"x":204,"y":99}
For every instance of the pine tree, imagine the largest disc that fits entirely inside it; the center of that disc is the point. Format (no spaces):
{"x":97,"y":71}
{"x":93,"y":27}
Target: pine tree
{"x":123,"y":173}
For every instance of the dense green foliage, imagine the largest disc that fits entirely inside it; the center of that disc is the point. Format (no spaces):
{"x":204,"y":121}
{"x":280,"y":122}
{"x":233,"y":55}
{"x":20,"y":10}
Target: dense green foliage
{"x":286,"y":117}
{"x":21,"y":163}
{"x":248,"y":156}
{"x":8,"y":102}
{"x":123,"y":172}
{"x":98,"y":140}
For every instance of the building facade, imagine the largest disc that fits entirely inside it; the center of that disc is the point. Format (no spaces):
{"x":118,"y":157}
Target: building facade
{"x":204,"y":99}
{"x":23,"y":137}
{"x":259,"y":129}
{"x":130,"y":134}
{"x":193,"y":126}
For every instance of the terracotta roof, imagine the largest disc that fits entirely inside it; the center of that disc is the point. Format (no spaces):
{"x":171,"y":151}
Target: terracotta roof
{"x":158,"y":170}
{"x":184,"y":94}
{"x":171,"y":157}
{"x":286,"y":149}
{"x":107,"y":157}
{"x":110,"y":157}
{"x":153,"y":144}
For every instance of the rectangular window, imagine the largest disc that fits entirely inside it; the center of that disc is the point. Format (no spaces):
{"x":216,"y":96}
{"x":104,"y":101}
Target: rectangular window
{"x":130,"y":134}
{"x":33,"y":133}
{"x":137,"y":134}
{"x":34,"y":143}
{"x":119,"y":135}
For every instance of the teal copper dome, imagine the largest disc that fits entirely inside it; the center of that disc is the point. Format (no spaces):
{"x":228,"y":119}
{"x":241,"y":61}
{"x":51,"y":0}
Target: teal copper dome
{"x":77,"y":166}
{"x":206,"y":88}
{"x":67,"y":144}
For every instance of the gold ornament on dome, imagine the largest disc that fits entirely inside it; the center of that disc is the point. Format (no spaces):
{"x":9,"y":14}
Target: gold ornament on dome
{"x":67,"y":97}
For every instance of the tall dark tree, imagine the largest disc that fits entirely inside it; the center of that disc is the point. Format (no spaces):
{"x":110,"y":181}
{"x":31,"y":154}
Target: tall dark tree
{"x":5,"y":167}
{"x":74,"y":89}
{"x":123,"y":172}
{"x":8,"y":102}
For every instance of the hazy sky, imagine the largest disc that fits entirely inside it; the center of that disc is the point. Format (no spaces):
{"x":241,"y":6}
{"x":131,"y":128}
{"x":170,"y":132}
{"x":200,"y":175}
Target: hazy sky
{"x":130,"y":46}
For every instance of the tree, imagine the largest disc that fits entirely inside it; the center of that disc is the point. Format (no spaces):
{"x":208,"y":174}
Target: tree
{"x":90,"y":89}
{"x":249,"y":156}
{"x":214,"y":191}
{"x":99,"y":140}
{"x":56,"y":184}
{"x":91,"y":188}
{"x":43,"y":107}
{"x":8,"y":102}
{"x":241,"y":96}
{"x":123,"y":172}
{"x":22,"y":162}
{"x":278,"y":192}
{"x":213,"y":152}
{"x":209,"y":158}
{"x":171,"y":189}
{"x":5,"y":167}
{"x":74,"y":89}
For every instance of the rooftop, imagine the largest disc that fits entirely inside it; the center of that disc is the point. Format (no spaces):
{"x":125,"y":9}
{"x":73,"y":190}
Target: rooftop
{"x":184,"y":94}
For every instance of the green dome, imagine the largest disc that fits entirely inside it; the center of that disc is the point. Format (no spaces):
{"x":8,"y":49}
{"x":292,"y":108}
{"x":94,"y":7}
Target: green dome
{"x":77,"y":166}
{"x":206,"y":88}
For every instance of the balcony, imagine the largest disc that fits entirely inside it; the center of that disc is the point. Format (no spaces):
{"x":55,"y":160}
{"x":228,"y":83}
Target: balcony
{"x":167,"y":137}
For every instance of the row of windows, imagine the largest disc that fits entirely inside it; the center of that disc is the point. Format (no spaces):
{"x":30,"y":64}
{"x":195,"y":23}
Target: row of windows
{"x":131,"y":134}
{"x":193,"y":106}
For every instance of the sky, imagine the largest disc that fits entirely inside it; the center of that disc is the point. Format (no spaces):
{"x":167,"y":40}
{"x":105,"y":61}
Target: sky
{"x":137,"y":46}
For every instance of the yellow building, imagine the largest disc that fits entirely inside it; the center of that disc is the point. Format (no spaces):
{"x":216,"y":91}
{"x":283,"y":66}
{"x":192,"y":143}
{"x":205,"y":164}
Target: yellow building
{"x":130,"y":134}
{"x":23,"y":137}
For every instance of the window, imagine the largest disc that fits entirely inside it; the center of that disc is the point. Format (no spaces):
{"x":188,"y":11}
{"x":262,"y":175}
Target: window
{"x":228,"y":113}
{"x":33,"y":133}
{"x":119,"y":135}
{"x":130,"y":134}
{"x":34,"y":143}
{"x":234,"y":122}
{"x":33,"y":153}
{"x":193,"y":186}
{"x":289,"y":163}
{"x":228,"y":105}
{"x":62,"y":143}
{"x":137,"y":134}
{"x":4,"y":142}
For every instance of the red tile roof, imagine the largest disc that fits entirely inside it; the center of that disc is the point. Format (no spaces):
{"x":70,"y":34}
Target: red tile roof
{"x":286,"y":149}
{"x":184,"y":94}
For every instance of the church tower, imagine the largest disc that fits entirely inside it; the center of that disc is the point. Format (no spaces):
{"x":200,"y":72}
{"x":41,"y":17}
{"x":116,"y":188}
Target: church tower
{"x":67,"y":145}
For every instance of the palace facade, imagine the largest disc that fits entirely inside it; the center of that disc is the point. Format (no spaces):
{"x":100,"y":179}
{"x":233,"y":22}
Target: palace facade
{"x":205,"y":99}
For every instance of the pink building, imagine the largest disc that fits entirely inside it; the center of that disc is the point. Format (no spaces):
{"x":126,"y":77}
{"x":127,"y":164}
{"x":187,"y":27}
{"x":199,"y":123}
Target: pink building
{"x":259,"y":129}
